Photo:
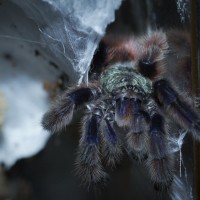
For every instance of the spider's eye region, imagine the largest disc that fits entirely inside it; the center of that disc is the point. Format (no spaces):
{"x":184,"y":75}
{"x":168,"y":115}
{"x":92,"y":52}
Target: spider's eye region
{"x":147,"y":68}
{"x":146,"y":64}
{"x":131,"y":99}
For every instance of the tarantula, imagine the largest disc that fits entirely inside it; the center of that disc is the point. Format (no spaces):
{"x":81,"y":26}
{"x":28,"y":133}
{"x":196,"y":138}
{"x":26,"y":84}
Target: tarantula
{"x":129,"y":91}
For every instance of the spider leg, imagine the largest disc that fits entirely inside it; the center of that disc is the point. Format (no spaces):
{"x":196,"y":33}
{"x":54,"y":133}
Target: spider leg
{"x":111,"y":146}
{"x":137,"y":136}
{"x":129,"y":112}
{"x":88,"y":162}
{"x":180,"y":110}
{"x":61,"y":113}
{"x":98,"y":134}
{"x":136,"y":147}
{"x":159,"y":162}
{"x":123,"y":111}
{"x":151,"y":59}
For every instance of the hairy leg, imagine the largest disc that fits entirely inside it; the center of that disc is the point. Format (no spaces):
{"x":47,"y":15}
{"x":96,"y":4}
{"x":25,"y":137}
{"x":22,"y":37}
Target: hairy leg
{"x":129,"y":113}
{"x":88,"y":162}
{"x":99,"y":142}
{"x":159,"y":162}
{"x":177,"y":107}
{"x":111,"y":145}
{"x":61,"y":112}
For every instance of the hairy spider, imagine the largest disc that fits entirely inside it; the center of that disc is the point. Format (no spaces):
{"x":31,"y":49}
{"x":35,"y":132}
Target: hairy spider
{"x":128,"y":89}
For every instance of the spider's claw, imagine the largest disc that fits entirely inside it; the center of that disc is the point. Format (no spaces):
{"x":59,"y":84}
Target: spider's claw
{"x":59,"y":116}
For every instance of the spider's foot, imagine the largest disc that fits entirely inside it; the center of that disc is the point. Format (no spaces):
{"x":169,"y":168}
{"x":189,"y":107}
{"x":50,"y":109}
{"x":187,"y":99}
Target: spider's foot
{"x":161,"y":172}
{"x":162,"y":186}
{"x":91,"y":174}
{"x":138,"y":156}
{"x":89,"y":166}
{"x":59,"y":116}
{"x":112,"y":154}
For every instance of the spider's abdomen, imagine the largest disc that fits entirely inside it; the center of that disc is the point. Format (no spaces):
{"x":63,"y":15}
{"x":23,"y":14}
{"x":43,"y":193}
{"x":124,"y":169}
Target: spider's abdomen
{"x":122,"y":77}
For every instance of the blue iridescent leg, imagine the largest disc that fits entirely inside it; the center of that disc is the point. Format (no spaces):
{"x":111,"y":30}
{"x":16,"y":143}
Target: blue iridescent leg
{"x":123,"y":112}
{"x":159,"y":161}
{"x":111,"y":147}
{"x":129,"y":112}
{"x":88,"y":162}
{"x":178,"y":108}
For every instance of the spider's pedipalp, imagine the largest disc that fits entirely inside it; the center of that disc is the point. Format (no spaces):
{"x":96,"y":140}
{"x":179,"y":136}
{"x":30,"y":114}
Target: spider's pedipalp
{"x":88,"y":162}
{"x":136,"y":145}
{"x":111,"y":147}
{"x":129,"y":112}
{"x":159,"y":161}
{"x":136,"y":137}
{"x":180,"y":110}
{"x":61,"y":113}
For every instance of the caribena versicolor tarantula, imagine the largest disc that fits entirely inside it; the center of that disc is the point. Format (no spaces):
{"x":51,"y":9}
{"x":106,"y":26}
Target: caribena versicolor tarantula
{"x":131,"y":92}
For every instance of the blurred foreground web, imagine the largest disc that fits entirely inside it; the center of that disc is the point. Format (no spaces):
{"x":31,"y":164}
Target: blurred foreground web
{"x":31,"y":33}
